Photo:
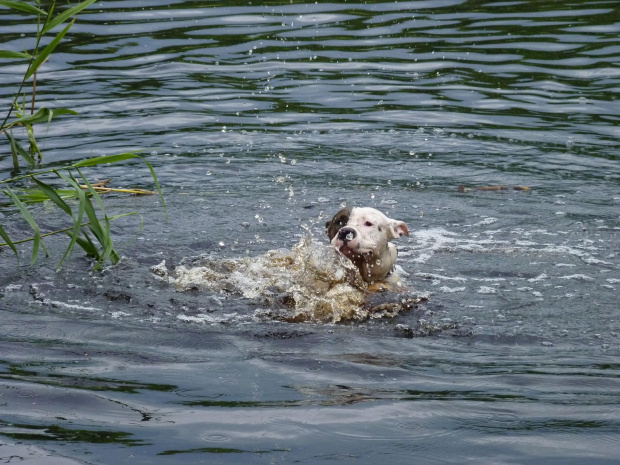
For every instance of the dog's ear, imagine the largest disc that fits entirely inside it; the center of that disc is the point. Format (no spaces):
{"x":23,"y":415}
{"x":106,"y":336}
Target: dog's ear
{"x":328,"y":229}
{"x":340,"y":220}
{"x":399,"y":228}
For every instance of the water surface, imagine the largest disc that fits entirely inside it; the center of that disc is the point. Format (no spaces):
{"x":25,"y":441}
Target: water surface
{"x":261,"y":120}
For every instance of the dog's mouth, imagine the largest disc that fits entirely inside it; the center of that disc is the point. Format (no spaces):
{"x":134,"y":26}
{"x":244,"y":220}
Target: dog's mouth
{"x":348,"y":251}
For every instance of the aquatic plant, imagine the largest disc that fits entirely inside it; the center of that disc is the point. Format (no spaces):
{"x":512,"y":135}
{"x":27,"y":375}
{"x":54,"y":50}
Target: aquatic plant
{"x":90,"y":230}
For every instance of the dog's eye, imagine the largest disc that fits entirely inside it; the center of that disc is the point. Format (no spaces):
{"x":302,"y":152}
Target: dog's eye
{"x":368,"y":223}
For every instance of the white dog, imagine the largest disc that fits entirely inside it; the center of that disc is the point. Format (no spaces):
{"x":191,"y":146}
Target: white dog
{"x":363,"y":235}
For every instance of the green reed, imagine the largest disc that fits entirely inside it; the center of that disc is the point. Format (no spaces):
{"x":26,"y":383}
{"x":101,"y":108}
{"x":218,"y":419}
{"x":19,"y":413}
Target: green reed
{"x":90,"y":223}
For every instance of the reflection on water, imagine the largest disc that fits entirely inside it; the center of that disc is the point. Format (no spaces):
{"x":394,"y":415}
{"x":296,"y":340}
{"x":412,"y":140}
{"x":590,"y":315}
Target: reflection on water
{"x":262,"y":119}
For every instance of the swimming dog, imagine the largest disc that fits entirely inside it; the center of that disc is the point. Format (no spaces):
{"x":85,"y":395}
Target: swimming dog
{"x":363,"y":235}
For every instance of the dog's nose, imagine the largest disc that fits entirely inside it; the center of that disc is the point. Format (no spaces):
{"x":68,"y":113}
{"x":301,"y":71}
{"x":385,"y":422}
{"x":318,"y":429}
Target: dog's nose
{"x":346,"y":234}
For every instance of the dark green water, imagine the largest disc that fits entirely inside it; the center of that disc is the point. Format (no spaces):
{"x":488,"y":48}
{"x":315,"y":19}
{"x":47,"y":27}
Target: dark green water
{"x":261,"y":120}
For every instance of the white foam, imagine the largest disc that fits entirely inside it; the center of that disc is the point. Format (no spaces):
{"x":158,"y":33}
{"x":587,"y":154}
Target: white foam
{"x":487,"y":221}
{"x":59,"y":304}
{"x":13,"y":288}
{"x":450,"y":290}
{"x":540,"y":277}
{"x":429,"y":242}
{"x":580,"y":277}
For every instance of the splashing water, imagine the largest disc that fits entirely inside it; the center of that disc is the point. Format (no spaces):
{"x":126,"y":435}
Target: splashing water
{"x":312,"y":282}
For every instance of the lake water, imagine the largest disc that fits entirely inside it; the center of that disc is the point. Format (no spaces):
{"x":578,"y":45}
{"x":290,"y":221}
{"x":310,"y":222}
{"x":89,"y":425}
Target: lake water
{"x":261,"y":119}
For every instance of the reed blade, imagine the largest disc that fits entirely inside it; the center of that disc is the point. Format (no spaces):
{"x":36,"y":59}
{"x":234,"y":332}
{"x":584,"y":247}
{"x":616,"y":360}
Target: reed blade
{"x":62,"y":17}
{"x":14,"y":55}
{"x":37,"y":243}
{"x":9,"y":242}
{"x":51,"y":193}
{"x":17,"y":149}
{"x":47,"y":51}
{"x":23,"y":6}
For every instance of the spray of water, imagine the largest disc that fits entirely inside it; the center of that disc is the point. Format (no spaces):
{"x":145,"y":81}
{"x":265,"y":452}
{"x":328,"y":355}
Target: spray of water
{"x":312,"y":282}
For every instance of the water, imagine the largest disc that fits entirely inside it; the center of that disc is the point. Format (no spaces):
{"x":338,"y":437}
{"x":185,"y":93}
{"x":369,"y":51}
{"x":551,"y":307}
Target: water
{"x":261,"y":120}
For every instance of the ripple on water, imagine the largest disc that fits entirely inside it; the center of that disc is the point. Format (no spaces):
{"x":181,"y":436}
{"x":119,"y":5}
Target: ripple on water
{"x":215,"y":437}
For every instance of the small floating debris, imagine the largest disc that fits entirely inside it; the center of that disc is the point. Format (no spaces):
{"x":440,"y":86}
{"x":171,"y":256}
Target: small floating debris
{"x":101,"y":187}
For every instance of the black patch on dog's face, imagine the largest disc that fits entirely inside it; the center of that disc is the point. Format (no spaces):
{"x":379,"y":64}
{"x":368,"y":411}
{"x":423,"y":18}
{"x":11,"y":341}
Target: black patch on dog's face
{"x":339,"y":220}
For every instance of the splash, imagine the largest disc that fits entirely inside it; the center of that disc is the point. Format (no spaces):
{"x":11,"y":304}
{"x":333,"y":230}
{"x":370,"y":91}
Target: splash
{"x":312,"y":282}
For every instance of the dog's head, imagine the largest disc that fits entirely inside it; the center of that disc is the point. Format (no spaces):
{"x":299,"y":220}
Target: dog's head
{"x":363,"y":235}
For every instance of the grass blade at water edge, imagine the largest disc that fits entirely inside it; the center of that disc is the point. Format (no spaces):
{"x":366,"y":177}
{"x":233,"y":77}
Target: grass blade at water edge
{"x":42,"y":115}
{"x":161,"y":195}
{"x":62,"y":17}
{"x":33,"y":224}
{"x":46,"y":52}
{"x":17,"y":149}
{"x":8,"y":242}
{"x":14,"y":55}
{"x":34,"y":147}
{"x":54,"y":197}
{"x":105,"y":159}
{"x":88,"y":246}
{"x":23,"y":6}
{"x":121,"y":157}
{"x":104,"y":231}
{"x":75,"y":234}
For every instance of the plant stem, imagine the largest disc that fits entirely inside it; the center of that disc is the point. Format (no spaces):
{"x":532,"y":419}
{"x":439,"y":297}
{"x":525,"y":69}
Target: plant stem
{"x":34,"y":92}
{"x":34,"y":54}
{"x":2,"y":244}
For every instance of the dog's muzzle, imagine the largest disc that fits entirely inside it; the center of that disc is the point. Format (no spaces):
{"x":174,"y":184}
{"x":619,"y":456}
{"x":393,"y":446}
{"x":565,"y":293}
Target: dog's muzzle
{"x":347,"y":234}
